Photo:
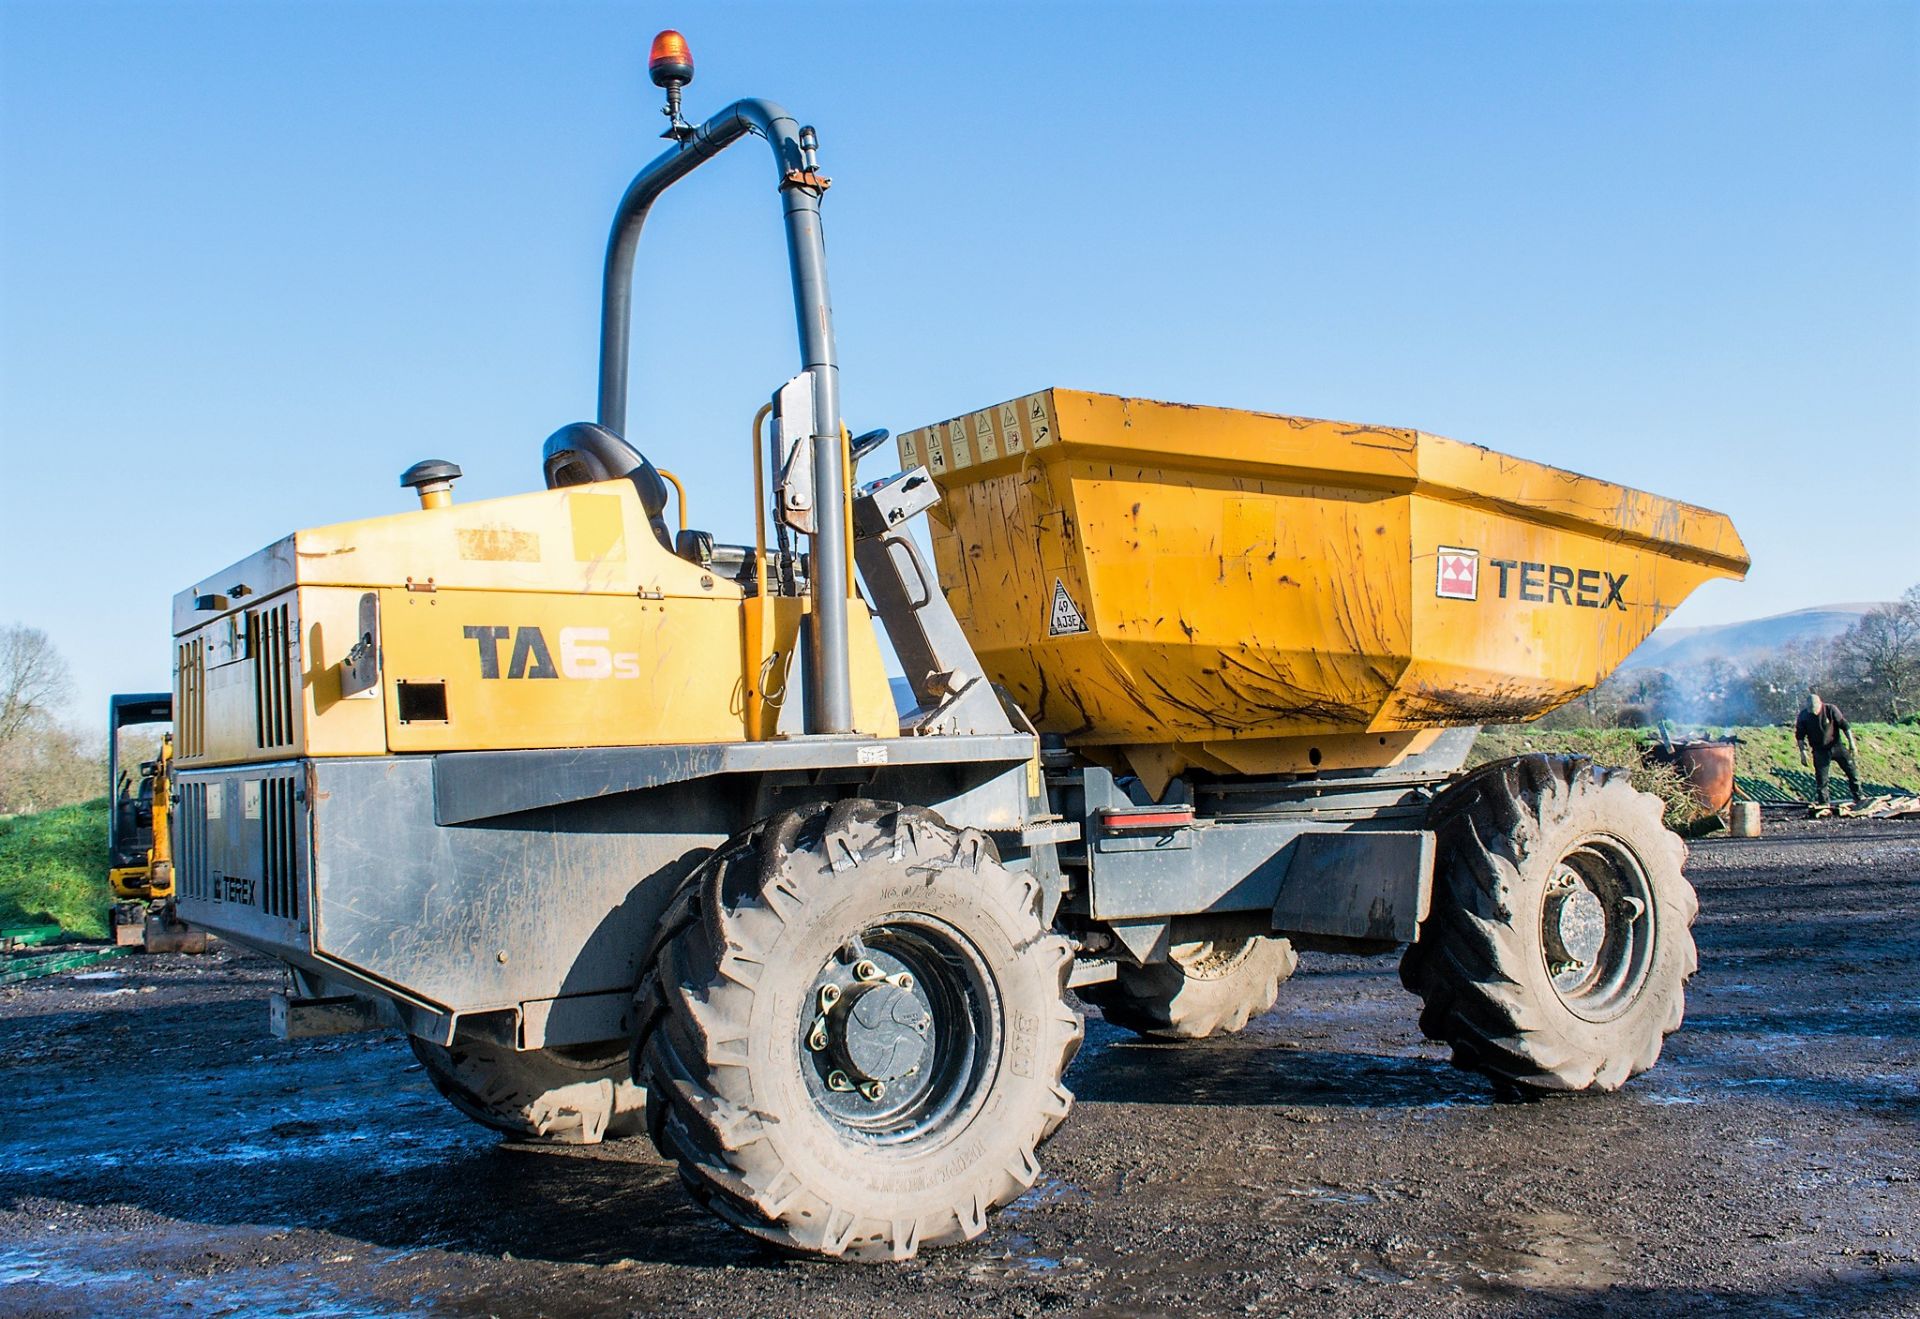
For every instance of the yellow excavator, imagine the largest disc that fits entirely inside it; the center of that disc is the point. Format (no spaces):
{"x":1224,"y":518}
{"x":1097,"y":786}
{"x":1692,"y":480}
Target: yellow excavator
{"x":139,"y":836}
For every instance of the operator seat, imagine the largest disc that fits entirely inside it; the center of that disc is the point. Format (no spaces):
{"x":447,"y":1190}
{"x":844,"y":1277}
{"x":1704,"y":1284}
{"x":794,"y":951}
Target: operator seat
{"x":583,"y":452}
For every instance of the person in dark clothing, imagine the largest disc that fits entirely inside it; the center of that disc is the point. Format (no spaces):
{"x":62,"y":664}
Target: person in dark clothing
{"x":1822,"y":727}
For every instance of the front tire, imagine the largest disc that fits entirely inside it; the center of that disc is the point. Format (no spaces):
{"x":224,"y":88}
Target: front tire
{"x":1201,"y":989}
{"x":852,"y":1029}
{"x":1559,"y":944}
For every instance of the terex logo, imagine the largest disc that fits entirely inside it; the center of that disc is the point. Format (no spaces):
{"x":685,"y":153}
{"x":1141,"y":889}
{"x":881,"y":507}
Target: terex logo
{"x":1555,"y":583}
{"x":584,"y":653}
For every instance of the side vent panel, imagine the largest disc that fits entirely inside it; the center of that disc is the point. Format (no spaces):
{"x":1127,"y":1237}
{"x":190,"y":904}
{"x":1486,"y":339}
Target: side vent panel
{"x":279,"y":863}
{"x":269,"y":646}
{"x":190,"y":840}
{"x":190,"y":701}
{"x":241,"y":849}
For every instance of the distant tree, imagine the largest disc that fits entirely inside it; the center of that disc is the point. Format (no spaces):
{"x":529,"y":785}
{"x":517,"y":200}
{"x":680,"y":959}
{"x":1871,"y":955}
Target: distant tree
{"x":1776,"y":685}
{"x":1878,"y":659}
{"x":33,"y":680}
{"x":42,"y":763}
{"x":1639,"y":695}
{"x":53,"y":766}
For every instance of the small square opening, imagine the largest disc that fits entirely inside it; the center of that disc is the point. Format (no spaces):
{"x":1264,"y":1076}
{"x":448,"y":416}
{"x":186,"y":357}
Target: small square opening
{"x":423,"y":702}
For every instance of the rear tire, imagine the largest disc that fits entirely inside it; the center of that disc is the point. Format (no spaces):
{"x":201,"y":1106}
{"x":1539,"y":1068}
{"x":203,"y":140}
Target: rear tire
{"x":1559,"y":944}
{"x":852,"y":1028}
{"x":544,"y":1096}
{"x":1202,"y":989}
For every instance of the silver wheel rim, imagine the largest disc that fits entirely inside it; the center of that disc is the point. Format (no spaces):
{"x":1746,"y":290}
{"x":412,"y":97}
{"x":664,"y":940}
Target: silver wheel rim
{"x":1597,"y":932}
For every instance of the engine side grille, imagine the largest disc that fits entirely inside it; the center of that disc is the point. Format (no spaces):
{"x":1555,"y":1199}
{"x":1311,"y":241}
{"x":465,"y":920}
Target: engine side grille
{"x":279,"y":864}
{"x":240,"y":850}
{"x":190,"y":701}
{"x":268,"y":647}
{"x":190,"y":841}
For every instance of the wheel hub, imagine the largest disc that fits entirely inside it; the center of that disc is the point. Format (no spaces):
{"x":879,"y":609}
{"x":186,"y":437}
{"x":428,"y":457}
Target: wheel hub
{"x":873,"y":1029}
{"x":1580,"y":920}
{"x":1596,"y":930}
{"x":902,"y":1030}
{"x":878,"y":1032}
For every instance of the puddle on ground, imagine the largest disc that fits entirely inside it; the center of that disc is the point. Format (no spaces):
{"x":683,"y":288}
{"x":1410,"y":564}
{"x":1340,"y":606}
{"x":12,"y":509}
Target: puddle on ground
{"x":37,"y":1276}
{"x":305,"y":1132}
{"x":1332,"y":1195}
{"x":1046,"y":1191}
{"x":1536,"y":1249}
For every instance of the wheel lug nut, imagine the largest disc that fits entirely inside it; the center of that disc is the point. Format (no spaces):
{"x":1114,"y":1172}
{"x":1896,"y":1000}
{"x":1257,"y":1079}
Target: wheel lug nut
{"x":864,"y":970}
{"x":829,"y":995}
{"x":904,"y":981}
{"x":838,"y":1080}
{"x":817,"y":1036}
{"x":873,"y":1091}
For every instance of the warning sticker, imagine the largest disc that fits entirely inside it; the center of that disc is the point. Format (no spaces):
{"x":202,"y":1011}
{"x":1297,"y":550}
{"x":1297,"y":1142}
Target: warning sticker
{"x":936,"y":456}
{"x":958,"y":445}
{"x":983,"y":446}
{"x":1039,"y":425}
{"x":1457,"y":576}
{"x":1010,"y":428}
{"x":1066,"y":618}
{"x":909,"y":451}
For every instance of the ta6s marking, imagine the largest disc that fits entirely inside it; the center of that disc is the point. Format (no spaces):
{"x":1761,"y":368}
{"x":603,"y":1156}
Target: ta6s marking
{"x":584,"y":653}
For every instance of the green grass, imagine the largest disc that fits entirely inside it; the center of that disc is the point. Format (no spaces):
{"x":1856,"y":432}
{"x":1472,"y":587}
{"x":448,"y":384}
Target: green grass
{"x":1889,"y":753}
{"x":53,"y":867}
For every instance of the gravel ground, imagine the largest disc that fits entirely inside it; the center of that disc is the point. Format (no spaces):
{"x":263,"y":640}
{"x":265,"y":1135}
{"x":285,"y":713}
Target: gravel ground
{"x":161,"y":1153}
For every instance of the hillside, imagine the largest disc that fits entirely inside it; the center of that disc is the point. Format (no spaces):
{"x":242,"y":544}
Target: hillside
{"x":1741,"y":644}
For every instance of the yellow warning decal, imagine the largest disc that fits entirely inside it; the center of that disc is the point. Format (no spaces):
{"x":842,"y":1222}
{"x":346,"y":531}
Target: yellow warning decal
{"x":958,"y":445}
{"x":1012,"y":440}
{"x":983,"y":446}
{"x":1039,"y":422}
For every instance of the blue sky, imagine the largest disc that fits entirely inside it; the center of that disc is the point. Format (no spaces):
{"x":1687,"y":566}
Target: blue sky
{"x":257,"y":258}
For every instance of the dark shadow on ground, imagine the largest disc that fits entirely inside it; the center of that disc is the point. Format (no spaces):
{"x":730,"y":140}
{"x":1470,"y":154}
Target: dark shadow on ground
{"x":1885,"y":1291}
{"x":1117,"y":1067}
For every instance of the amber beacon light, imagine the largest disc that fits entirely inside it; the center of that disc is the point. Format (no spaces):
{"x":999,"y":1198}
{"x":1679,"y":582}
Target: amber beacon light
{"x":670,"y":63}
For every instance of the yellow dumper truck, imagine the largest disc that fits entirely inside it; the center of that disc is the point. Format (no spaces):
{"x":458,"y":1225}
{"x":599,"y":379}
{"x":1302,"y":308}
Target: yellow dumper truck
{"x":622,"y":826}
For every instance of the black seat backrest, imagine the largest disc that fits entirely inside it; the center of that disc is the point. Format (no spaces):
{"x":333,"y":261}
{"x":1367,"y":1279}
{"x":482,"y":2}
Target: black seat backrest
{"x":583,"y":452}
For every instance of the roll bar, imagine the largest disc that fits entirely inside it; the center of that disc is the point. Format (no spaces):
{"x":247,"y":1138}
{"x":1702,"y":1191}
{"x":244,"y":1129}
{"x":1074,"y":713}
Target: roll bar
{"x":828,"y":687}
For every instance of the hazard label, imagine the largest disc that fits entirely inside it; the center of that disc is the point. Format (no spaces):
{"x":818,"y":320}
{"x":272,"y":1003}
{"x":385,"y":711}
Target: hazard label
{"x":1458,"y":574}
{"x":1066,"y":618}
{"x":1039,"y":426}
{"x":1010,"y":428}
{"x":983,"y":446}
{"x":959,"y":446}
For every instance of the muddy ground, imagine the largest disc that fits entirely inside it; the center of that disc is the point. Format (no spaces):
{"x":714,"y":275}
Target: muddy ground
{"x":160,"y":1153}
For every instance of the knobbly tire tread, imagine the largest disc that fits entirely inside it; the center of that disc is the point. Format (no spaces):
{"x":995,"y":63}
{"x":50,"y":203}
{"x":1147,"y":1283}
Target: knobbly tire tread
{"x":1167,"y":1001}
{"x":742,"y":1156}
{"x":1477,"y":965}
{"x":540,"y":1096}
